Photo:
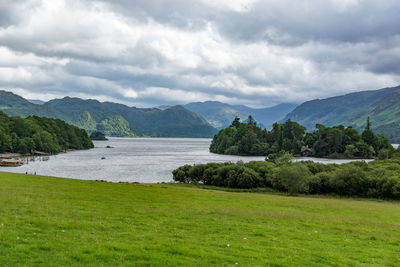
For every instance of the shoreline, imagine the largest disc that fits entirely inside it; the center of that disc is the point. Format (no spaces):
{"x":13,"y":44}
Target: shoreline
{"x":18,"y":155}
{"x":11,"y":155}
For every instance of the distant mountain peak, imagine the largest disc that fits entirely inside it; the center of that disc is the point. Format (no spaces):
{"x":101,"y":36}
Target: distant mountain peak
{"x":221,"y":115}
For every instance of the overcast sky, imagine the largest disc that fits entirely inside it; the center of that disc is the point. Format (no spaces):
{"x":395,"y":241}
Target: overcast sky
{"x":152,"y":52}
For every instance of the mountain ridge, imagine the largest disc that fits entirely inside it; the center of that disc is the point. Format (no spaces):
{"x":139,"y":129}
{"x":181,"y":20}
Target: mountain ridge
{"x":112,"y":118}
{"x":382,"y":106}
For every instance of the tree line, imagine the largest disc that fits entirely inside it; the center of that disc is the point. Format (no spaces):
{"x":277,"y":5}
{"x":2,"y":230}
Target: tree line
{"x":377,"y":179}
{"x":335,"y":142}
{"x":18,"y":135}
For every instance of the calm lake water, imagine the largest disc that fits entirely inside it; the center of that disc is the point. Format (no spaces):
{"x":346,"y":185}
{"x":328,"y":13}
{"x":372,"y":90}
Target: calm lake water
{"x":144,"y":160}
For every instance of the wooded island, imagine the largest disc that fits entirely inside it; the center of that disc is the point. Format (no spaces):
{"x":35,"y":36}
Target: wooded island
{"x":333,"y":142}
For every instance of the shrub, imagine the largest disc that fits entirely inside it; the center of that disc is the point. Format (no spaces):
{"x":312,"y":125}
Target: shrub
{"x":242,"y":177}
{"x":294,"y":177}
{"x":315,"y":167}
{"x":350,"y":180}
{"x":265,"y":169}
{"x":383,"y":154}
{"x":182,"y":174}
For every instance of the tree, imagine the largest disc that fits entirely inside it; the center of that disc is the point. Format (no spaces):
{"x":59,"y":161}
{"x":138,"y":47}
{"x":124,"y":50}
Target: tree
{"x":236,"y":122}
{"x":251,"y":121}
{"x":368,"y":127}
{"x":5,"y":142}
{"x":368,"y":136}
{"x":294,"y":177}
{"x":247,"y":142}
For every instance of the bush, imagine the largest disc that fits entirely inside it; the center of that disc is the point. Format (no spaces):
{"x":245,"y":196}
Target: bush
{"x":242,"y":177}
{"x":350,"y":180}
{"x":384,"y":154}
{"x":319,"y":183}
{"x":280,"y":158}
{"x":294,"y":177}
{"x":182,"y":174}
{"x":265,"y":169}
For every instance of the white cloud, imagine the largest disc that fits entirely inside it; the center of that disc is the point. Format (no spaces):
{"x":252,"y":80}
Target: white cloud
{"x":241,"y":51}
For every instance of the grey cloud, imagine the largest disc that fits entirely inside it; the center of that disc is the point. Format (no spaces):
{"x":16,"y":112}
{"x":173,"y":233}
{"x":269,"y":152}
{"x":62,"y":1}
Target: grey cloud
{"x":302,"y":21}
{"x":281,"y":22}
{"x":190,"y":15}
{"x":276,"y":51}
{"x":9,"y":12}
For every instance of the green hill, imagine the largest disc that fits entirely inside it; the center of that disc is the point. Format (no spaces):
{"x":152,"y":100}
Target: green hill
{"x":91,"y":115}
{"x":382,"y":106}
{"x":64,"y":222}
{"x":111,"y":118}
{"x":15,"y":105}
{"x":220,"y":115}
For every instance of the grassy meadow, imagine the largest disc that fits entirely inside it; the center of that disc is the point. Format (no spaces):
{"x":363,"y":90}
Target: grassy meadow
{"x":65,"y":222}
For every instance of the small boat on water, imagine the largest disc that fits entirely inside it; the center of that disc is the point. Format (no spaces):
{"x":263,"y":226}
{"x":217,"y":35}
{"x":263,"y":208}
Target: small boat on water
{"x":103,"y":157}
{"x":10,"y":163}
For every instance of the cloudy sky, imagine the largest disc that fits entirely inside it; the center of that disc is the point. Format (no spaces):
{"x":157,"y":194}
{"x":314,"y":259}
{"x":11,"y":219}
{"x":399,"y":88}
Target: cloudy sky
{"x":152,"y":52}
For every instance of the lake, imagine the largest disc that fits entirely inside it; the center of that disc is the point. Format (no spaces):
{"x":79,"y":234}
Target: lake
{"x":144,"y":160}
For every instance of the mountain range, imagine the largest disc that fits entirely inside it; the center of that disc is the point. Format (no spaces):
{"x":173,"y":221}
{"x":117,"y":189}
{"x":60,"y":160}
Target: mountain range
{"x":199,"y":119}
{"x":382,"y":106}
{"x":202,"y":119}
{"x":111,"y":118}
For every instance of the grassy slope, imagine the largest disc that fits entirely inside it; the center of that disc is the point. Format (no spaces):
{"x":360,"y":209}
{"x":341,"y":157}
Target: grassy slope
{"x":71,"y":222}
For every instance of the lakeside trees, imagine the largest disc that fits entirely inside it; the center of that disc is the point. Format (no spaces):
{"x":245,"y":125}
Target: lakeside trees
{"x":23,"y":136}
{"x":377,"y":179}
{"x":336,"y":142}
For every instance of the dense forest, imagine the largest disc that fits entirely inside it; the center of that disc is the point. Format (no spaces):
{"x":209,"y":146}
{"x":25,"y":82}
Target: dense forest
{"x":334,"y":142}
{"x":377,"y":179}
{"x":34,"y":133}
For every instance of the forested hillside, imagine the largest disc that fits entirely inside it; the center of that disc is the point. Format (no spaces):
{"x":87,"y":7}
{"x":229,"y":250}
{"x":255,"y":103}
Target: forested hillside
{"x":34,"y":133}
{"x":111,"y":118}
{"x":382,"y":106}
{"x":15,"y":105}
{"x":121,"y":120}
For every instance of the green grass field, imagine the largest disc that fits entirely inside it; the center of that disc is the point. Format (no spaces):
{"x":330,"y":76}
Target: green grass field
{"x":63,"y":222}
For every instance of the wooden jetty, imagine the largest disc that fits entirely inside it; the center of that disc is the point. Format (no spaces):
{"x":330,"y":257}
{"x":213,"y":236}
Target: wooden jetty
{"x":10,"y":163}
